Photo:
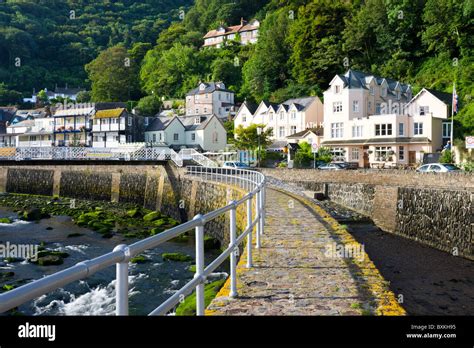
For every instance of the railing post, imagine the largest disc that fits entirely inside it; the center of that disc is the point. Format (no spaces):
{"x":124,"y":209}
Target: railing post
{"x":121,"y":285}
{"x":259,"y":226}
{"x":262,"y":208}
{"x":249,"y":236}
{"x":233,"y":256}
{"x":199,"y":266}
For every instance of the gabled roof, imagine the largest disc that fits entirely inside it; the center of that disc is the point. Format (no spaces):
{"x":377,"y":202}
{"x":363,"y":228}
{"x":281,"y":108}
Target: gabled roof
{"x":161,"y":123}
{"x":446,"y":98}
{"x":251,"y":107}
{"x":210,"y":87}
{"x":190,"y":124}
{"x":300,"y":103}
{"x":359,"y":79}
{"x":316,"y":131}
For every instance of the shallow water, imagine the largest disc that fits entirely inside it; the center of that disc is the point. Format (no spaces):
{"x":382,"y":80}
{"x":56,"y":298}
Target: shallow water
{"x":151,"y":283}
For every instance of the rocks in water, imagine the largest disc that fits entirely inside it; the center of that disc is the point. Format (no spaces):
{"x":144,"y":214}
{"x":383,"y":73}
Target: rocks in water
{"x":176,"y":257}
{"x":72,"y":235}
{"x":6,"y":275}
{"x":34,"y":214}
{"x":138,"y":259}
{"x":50,"y":258}
{"x":154,"y":215}
{"x":5,"y":220}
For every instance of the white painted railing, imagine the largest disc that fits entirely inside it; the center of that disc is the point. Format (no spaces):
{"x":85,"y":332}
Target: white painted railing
{"x":91,"y":153}
{"x":254,"y":185}
{"x":199,"y":158}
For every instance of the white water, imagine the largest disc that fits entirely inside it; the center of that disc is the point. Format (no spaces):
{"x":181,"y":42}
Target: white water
{"x":98,"y":301}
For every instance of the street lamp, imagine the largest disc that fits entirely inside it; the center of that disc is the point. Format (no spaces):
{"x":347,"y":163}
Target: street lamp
{"x":259,"y":133}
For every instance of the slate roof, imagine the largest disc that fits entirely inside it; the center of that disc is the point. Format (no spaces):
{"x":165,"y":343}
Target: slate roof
{"x":189,"y":122}
{"x":210,"y":88}
{"x":317,"y":131}
{"x":252,"y":107}
{"x":359,"y":79}
{"x":159,"y":123}
{"x":300,"y":103}
{"x":445,"y":97}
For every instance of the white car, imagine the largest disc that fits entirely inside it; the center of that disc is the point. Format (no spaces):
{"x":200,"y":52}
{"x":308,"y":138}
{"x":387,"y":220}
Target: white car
{"x":437,"y":168}
{"x":332,"y":166}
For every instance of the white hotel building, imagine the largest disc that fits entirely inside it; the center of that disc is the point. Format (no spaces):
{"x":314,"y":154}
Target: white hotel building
{"x":375,"y":121}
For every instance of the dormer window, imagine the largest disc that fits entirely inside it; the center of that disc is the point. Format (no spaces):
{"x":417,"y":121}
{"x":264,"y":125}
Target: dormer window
{"x":372,"y":92}
{"x":337,"y":89}
{"x":384,"y":92}
{"x":202,"y":86}
{"x":197,"y":120}
{"x":399,"y":95}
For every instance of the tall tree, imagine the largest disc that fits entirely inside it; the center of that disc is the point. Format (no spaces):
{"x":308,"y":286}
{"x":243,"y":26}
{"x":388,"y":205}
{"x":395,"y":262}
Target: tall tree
{"x":113,"y":76}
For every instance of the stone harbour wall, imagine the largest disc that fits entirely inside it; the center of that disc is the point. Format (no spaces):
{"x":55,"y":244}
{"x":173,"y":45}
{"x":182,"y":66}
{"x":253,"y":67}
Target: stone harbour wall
{"x":429,"y":213}
{"x":376,"y":177}
{"x":156,"y":187}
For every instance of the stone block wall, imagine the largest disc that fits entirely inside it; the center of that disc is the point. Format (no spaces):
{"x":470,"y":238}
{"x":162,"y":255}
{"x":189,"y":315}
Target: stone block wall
{"x":429,"y":212}
{"x":163,"y":188}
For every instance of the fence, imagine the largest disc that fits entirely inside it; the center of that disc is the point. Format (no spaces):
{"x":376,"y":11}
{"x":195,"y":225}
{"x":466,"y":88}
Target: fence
{"x":89,"y":153}
{"x":254,"y":185}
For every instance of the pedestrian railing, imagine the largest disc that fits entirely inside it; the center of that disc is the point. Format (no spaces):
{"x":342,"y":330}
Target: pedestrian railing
{"x":91,"y":153}
{"x":251,"y":182}
{"x":192,"y":154}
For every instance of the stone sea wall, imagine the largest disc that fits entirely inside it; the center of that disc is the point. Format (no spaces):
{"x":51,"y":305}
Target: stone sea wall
{"x":156,"y":187}
{"x":438,"y":212}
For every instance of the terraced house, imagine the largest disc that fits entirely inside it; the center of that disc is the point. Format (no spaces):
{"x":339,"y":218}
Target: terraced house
{"x":376,"y":122}
{"x":115,"y":127}
{"x":245,"y":33}
{"x":286,"y":119}
{"x":210,"y":98}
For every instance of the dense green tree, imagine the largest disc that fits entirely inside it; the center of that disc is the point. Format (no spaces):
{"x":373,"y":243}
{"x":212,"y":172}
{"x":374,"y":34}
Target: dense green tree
{"x":149,"y":105}
{"x":8,"y":96}
{"x":267,"y":69}
{"x":248,"y":138}
{"x":315,"y":39}
{"x":113,"y":76}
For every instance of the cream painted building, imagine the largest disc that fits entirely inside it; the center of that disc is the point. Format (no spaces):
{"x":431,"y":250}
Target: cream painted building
{"x":291,"y":117}
{"x":375,"y":121}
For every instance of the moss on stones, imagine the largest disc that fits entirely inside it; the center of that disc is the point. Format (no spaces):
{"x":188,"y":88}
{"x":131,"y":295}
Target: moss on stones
{"x":188,"y":306}
{"x":176,"y":257}
{"x":5,"y":220}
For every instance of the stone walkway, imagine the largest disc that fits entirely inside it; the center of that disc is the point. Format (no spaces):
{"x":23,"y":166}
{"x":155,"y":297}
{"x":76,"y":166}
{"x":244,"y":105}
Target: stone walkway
{"x":294,"y":275}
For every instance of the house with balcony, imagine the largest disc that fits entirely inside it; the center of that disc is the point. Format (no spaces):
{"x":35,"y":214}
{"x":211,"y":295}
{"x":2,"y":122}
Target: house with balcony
{"x":72,"y":127}
{"x":211,"y":98}
{"x":375,"y":121}
{"x":200,"y":132}
{"x":286,"y":119}
{"x":115,"y":127}
{"x":245,"y":33}
{"x":39,"y":134}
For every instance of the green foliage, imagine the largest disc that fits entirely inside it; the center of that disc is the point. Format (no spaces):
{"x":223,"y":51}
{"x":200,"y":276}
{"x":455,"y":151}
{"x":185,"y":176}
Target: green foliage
{"x":304,"y":155}
{"x":55,"y":39}
{"x":149,"y":105}
{"x":188,"y":306}
{"x":248,"y":138}
{"x":229,"y":127}
{"x":446,"y":157}
{"x":113,"y":75}
{"x":176,"y":257}
{"x":8,"y":96}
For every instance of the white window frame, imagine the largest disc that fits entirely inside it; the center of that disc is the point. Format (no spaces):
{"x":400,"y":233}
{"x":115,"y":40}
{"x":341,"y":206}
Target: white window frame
{"x":418,"y":128}
{"x":337,"y":130}
{"x":357,"y":131}
{"x":401,"y":129}
{"x":337,"y":106}
{"x":355,"y":153}
{"x":355,"y":106}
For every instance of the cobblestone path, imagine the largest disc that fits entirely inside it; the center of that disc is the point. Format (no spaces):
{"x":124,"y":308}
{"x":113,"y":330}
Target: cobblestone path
{"x":293,"y":275}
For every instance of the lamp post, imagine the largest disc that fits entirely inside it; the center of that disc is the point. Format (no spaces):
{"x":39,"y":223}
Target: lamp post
{"x":259,"y":132}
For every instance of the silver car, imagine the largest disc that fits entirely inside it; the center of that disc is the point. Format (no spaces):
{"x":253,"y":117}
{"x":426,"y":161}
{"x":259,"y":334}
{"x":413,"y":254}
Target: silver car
{"x":437,"y":168}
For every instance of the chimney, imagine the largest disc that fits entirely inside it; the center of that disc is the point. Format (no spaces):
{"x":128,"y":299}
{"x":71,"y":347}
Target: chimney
{"x":242,"y":21}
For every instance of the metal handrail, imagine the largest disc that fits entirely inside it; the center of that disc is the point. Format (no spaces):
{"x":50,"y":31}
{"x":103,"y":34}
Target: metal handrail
{"x":254,"y":185}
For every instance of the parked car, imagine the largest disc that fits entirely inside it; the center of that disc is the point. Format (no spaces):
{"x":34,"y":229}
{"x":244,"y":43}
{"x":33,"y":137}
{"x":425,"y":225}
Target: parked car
{"x":348,"y":165}
{"x":437,"y":168}
{"x":332,"y":166}
{"x":235,"y":165}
